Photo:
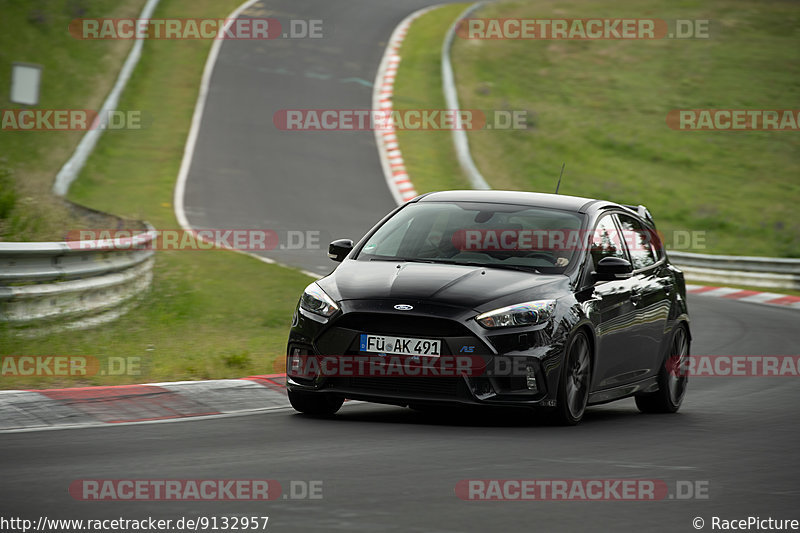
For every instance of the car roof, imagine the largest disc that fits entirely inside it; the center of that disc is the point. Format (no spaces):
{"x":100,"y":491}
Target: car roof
{"x":534,"y":199}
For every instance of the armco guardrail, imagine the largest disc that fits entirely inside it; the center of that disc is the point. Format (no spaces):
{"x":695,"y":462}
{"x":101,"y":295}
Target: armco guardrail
{"x":775,"y":272}
{"x":47,"y":286}
{"x":460,"y":140}
{"x":78,"y":159}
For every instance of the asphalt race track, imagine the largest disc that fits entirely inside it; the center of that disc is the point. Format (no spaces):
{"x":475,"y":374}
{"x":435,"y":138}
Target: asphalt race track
{"x":247,"y":174}
{"x":394,"y":469}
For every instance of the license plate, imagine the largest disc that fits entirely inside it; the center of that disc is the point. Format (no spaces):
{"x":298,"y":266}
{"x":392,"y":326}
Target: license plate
{"x":400,"y":345}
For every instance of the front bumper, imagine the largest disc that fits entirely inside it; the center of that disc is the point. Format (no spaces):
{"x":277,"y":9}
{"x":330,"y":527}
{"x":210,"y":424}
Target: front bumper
{"x":513,"y":367}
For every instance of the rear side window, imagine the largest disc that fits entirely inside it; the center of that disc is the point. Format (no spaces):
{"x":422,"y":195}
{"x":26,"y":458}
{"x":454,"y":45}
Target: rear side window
{"x":641,"y":242}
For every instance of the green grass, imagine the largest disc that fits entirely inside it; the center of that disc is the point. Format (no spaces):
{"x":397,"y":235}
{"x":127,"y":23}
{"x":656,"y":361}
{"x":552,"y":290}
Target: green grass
{"x":210,"y":314}
{"x":600,"y":106}
{"x":429,"y":155}
{"x":76,"y":74}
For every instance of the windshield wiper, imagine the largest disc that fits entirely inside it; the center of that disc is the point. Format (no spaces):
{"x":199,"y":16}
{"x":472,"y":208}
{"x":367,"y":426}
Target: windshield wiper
{"x":401,"y":259}
{"x":519,"y":268}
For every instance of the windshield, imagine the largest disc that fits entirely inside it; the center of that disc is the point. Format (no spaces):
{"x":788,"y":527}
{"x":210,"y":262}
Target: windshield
{"x":517,"y":237}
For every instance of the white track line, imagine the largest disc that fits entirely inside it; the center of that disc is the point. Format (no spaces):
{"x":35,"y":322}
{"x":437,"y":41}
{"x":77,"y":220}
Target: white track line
{"x":197,"y":119}
{"x":248,"y":412}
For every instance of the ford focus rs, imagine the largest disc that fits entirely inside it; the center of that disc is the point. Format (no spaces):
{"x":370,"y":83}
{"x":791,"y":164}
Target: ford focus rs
{"x":495,"y":298}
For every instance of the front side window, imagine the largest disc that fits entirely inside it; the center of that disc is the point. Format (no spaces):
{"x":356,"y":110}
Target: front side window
{"x":537,"y":239}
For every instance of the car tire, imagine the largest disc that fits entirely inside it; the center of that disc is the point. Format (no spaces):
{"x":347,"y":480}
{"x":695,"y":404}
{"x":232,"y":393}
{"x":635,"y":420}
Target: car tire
{"x":672,"y":379}
{"x":314,"y":403}
{"x":576,"y":377}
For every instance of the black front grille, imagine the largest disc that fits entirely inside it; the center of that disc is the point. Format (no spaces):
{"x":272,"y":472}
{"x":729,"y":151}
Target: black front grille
{"x":438,"y":387}
{"x":396,"y":324}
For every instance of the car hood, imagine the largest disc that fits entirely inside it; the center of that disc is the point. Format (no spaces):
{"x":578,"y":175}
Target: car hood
{"x":478,"y":288}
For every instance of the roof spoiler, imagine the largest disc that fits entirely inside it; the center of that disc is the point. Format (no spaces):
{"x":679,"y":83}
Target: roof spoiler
{"x":642,"y":212}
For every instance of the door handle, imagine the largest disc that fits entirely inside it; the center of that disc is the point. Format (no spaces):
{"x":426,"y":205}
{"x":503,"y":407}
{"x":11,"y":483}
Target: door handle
{"x":636,"y":297}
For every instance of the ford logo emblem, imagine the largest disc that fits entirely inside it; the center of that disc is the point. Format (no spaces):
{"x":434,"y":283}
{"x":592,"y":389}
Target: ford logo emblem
{"x":404,"y":307}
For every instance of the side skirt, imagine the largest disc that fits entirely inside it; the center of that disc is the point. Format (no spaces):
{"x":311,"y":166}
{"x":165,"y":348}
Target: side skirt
{"x":617,"y":393}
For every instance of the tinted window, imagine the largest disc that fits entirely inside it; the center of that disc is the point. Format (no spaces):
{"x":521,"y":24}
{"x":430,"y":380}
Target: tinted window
{"x":640,"y":242}
{"x":541,"y":239}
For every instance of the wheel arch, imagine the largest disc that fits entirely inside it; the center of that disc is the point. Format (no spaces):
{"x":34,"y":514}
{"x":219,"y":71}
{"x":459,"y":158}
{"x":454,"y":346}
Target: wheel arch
{"x":586,"y":327}
{"x":590,"y":334}
{"x":683,"y":321}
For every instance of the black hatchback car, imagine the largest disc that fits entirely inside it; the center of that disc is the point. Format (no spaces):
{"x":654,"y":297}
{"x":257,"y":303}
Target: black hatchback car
{"x":495,"y":298}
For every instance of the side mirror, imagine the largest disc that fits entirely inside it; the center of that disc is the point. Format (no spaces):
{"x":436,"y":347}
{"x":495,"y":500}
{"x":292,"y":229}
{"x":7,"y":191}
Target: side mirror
{"x":338,"y":249}
{"x":612,"y":269}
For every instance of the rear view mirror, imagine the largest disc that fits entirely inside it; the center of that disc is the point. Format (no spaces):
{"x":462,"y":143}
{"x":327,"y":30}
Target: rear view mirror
{"x":338,"y":249}
{"x":612,"y":269}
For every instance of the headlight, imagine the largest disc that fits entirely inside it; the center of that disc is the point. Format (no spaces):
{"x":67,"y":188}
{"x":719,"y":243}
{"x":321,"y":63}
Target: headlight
{"x":316,"y":301}
{"x":524,"y":314}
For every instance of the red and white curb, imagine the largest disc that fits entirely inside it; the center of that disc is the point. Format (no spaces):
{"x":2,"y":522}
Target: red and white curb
{"x":394,"y":169}
{"x":769,"y":298}
{"x":36,"y":410}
